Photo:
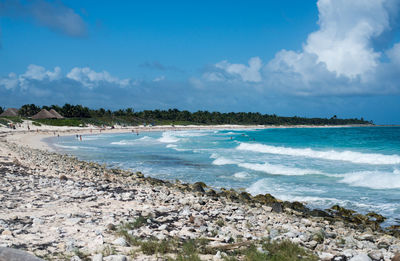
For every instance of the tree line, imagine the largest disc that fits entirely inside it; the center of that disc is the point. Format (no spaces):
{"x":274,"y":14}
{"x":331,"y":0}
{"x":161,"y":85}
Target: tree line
{"x":175,"y":115}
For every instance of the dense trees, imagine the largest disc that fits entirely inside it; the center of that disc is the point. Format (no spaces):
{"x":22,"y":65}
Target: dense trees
{"x":1,"y":110}
{"x":28,"y":110}
{"x":176,"y":116}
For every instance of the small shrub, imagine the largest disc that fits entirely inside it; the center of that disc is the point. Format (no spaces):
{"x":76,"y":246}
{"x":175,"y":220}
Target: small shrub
{"x":108,"y":251}
{"x":252,"y":254}
{"x":149,"y":247}
{"x":220,"y":222}
{"x":161,"y":247}
{"x":287,"y":251}
{"x":188,"y":252}
{"x":3,"y":121}
{"x":139,"y":222}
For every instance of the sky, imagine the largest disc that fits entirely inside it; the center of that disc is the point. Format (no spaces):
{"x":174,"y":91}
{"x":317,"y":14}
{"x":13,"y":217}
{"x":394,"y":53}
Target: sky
{"x":289,"y":57}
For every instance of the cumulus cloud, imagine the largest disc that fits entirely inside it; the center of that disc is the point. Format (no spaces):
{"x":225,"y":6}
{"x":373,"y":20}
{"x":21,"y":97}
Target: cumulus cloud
{"x":337,"y":59}
{"x":9,"y":82}
{"x":51,"y":14}
{"x":33,"y":73}
{"x":343,"y":41}
{"x":40,"y":73}
{"x":250,"y":73}
{"x":89,"y":78}
{"x":36,"y":75}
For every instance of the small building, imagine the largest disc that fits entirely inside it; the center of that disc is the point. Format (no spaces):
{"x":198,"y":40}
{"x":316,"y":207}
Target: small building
{"x":56,"y":114}
{"x":44,"y":114}
{"x":10,"y":112}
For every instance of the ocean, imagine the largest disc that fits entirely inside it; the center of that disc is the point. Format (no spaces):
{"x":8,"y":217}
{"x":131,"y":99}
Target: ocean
{"x":355,"y":167}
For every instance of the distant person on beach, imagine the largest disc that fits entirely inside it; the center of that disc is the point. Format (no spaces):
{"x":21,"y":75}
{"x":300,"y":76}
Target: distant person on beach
{"x":80,"y":137}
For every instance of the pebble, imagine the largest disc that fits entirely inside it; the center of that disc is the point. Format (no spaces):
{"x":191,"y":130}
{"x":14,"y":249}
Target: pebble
{"x":115,"y":258}
{"x":120,"y":241}
{"x":361,"y":257}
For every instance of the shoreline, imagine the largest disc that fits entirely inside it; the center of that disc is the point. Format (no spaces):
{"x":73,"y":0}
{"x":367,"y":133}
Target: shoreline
{"x":174,"y":210}
{"x":34,"y":137}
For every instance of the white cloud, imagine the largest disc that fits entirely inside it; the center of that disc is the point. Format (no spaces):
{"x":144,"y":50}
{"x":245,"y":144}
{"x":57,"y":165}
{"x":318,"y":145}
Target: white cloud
{"x":40,"y":73}
{"x":9,"y":82}
{"x":89,"y":78}
{"x":339,"y":58}
{"x":250,"y":73}
{"x":343,"y":41}
{"x":214,"y":76}
{"x":394,"y":54}
{"x":33,"y":73}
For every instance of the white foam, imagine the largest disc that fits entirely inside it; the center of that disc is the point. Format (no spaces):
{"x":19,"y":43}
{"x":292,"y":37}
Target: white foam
{"x":242,"y":175}
{"x":132,"y":142}
{"x":190,"y":133}
{"x":168,"y":137}
{"x":67,"y":147}
{"x":214,"y":156}
{"x":259,"y":187}
{"x":74,"y":147}
{"x":171,"y":146}
{"x":373,"y":179}
{"x":351,"y":156}
{"x":278,"y":169}
{"x":223,"y":161}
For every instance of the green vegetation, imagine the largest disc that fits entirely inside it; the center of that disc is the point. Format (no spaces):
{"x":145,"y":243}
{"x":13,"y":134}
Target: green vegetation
{"x":188,"y":252}
{"x":13,"y":119}
{"x":80,"y":116}
{"x":139,"y":222}
{"x":3,"y":121}
{"x":28,"y":110}
{"x":220,"y":222}
{"x":286,"y":250}
{"x":1,"y":110}
{"x":185,"y":250}
{"x":273,"y":251}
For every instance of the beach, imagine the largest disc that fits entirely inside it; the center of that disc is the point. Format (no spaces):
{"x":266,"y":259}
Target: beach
{"x":58,"y":207}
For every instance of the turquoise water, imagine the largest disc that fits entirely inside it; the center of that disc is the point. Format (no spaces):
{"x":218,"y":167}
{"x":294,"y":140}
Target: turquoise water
{"x":358,"y":168}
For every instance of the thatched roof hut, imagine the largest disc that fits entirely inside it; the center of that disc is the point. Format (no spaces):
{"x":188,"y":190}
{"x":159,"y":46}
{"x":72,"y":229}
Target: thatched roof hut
{"x":10,"y":112}
{"x":43,"y":114}
{"x":56,"y":114}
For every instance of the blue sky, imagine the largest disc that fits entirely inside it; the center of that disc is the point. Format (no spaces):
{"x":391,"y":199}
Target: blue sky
{"x":305,"y":58}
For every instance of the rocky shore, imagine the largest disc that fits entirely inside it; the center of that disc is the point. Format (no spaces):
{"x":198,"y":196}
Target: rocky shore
{"x":59,"y":208}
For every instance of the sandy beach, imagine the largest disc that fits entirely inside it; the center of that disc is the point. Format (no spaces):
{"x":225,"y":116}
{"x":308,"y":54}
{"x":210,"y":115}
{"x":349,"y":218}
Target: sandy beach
{"x":35,"y":135}
{"x":60,"y":208}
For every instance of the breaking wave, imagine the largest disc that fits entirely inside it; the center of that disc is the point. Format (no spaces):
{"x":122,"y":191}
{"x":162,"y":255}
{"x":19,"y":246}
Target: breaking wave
{"x":373,"y":179}
{"x":278,"y":169}
{"x":168,"y":137}
{"x":351,"y":156}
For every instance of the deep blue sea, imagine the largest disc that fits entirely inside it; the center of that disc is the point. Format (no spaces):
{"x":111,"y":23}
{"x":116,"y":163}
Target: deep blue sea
{"x":357,"y":168}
